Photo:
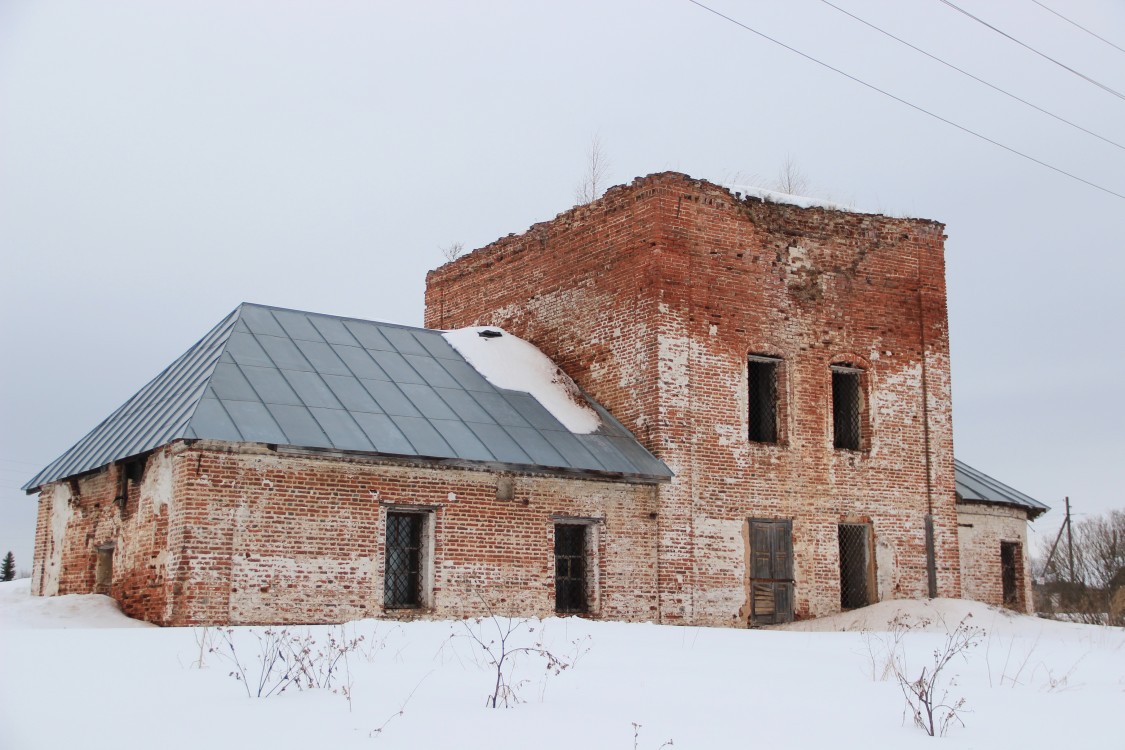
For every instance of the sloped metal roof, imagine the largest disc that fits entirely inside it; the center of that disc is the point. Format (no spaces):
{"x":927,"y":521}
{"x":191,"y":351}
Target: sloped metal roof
{"x":284,"y":377}
{"x":975,"y":486}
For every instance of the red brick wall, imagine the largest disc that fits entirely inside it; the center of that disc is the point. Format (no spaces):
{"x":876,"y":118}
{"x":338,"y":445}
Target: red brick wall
{"x":262,"y":537}
{"x":72,"y":525}
{"x":652,"y":297}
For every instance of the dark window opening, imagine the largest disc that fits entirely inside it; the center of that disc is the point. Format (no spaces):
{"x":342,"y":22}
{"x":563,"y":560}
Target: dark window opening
{"x":847,"y":408}
{"x":1011,"y":569}
{"x":135,"y":470}
{"x":402,"y":583}
{"x":570,"y":568}
{"x":771,"y":572}
{"x":857,"y":566}
{"x":761,"y":381}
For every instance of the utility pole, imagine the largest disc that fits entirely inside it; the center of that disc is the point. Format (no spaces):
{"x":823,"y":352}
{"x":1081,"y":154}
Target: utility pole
{"x":1069,"y":541}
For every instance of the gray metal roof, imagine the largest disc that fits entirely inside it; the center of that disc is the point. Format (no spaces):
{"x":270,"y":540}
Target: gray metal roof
{"x":276,"y":376}
{"x":975,"y":486}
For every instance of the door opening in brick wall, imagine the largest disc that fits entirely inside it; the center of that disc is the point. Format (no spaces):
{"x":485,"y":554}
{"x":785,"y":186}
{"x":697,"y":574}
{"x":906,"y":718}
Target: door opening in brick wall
{"x":403,"y":578}
{"x":103,"y":569}
{"x":571,"y":568}
{"x":762,"y":398}
{"x":771,"y":571}
{"x":857,"y":566}
{"x":1011,"y":574}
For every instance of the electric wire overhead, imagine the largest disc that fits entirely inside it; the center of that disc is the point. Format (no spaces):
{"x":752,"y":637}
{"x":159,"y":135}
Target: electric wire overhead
{"x":913,"y":106}
{"x":1006,"y":35}
{"x":975,"y":78}
{"x":1078,"y":25}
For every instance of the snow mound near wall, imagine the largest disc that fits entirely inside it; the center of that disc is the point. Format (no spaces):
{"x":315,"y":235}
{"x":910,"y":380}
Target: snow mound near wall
{"x":19,"y":609}
{"x":511,"y":363}
{"x":936,"y":616}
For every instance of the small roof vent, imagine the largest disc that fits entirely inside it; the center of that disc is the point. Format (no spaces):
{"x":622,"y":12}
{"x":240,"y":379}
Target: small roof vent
{"x":489,"y":334}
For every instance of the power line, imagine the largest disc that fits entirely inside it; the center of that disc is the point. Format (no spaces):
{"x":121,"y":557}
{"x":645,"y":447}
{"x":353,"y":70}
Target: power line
{"x":1074,"y":23}
{"x":1083,"y":76}
{"x":970,"y":75}
{"x":913,"y":106}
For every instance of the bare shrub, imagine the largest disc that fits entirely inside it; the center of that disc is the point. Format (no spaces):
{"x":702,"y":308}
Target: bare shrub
{"x":596,"y":175}
{"x":927,"y":696}
{"x":501,"y":643}
{"x":285,"y":658}
{"x":790,"y":178}
{"x":453,"y":251}
{"x":637,"y":737}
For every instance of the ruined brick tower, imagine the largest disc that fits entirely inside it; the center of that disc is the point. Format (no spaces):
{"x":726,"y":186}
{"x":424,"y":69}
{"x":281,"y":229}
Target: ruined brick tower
{"x":791,"y":366}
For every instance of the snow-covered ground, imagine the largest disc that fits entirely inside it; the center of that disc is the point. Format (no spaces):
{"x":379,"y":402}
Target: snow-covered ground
{"x":75,"y":673}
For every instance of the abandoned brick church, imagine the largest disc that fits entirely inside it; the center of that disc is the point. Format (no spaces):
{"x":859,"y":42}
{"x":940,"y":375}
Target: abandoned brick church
{"x":742,"y":417}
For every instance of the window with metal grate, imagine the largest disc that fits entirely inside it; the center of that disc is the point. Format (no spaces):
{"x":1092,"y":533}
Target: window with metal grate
{"x":402,"y":581}
{"x":847,"y":408}
{"x":570,"y":568}
{"x":761,"y":389}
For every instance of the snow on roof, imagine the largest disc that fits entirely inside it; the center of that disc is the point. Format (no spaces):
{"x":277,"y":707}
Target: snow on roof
{"x":511,"y":363}
{"x":773,"y":196}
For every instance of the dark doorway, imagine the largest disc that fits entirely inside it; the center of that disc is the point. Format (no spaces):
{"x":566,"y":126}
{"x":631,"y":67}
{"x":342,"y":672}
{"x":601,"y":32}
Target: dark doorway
{"x":857,"y":566}
{"x":103,"y":570}
{"x":1011,"y":569}
{"x":570,"y":568}
{"x":771,"y":571}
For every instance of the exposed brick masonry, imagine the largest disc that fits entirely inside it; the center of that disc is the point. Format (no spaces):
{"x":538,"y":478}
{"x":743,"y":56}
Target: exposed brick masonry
{"x":652,"y":297}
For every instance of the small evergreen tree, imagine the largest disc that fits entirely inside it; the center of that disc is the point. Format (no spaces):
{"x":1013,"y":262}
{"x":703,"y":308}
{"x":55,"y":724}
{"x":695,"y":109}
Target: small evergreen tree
{"x":8,"y":569}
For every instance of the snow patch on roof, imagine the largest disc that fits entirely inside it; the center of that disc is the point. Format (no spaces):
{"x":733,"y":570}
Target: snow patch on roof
{"x":511,"y":363}
{"x":793,"y":200}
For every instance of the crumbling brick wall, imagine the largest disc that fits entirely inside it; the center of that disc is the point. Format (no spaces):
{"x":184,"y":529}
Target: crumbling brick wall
{"x":982,"y":529}
{"x":77,"y":517}
{"x":652,"y":297}
{"x":265,"y":537}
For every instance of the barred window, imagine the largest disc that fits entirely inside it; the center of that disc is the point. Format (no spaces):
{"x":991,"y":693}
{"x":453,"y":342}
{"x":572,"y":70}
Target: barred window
{"x":847,"y":407}
{"x":402,"y":582}
{"x":570,"y":568}
{"x":761,"y":389}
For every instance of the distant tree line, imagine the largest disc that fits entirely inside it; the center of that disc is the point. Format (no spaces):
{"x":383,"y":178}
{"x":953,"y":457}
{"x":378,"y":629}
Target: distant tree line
{"x":1084,"y":578}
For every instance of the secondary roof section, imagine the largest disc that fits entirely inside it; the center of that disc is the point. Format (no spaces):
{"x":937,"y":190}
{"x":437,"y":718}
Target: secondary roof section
{"x":306,"y":380}
{"x":974,"y":486}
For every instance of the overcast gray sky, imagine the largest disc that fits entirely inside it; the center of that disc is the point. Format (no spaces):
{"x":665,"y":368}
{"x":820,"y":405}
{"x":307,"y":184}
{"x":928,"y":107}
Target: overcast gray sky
{"x":162,"y":162}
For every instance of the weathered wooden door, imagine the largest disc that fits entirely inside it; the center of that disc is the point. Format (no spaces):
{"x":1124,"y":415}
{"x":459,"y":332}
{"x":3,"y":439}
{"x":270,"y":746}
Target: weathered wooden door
{"x":771,"y":571}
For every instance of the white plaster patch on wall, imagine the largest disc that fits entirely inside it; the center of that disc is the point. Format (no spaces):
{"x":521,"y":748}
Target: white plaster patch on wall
{"x":673,"y":350}
{"x":888,"y":395}
{"x":60,"y":517}
{"x":885,"y":568}
{"x":156,"y":486}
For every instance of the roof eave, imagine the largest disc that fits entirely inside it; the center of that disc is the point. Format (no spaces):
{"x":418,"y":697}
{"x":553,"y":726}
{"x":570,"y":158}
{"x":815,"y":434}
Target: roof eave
{"x":461,"y":463}
{"x":1033,"y":512}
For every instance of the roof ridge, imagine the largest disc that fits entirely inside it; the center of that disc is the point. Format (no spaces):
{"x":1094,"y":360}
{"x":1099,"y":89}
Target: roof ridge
{"x":261,"y":306}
